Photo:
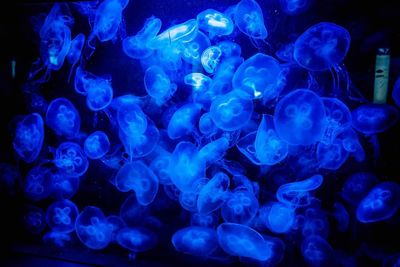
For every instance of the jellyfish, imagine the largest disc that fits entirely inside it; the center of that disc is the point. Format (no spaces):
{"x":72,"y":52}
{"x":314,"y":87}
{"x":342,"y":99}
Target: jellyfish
{"x":10,"y":179}
{"x":82,"y":77}
{"x":195,"y":240}
{"x":338,"y":117}
{"x":210,"y":58}
{"x":321,"y":46}
{"x":29,"y":135}
{"x":231,"y":111}
{"x":160,"y":166}
{"x":357,"y":186}
{"x":280,"y":218}
{"x":249,"y":19}
{"x":205,"y":220}
{"x":374,"y":118}
{"x":37,"y":183}
{"x":229,"y":49}
{"x":158,"y":85}
{"x":259,"y":76}
{"x":71,"y":160}
{"x":99,"y":93}
{"x":285,"y":52}
{"x":246,"y":146}
{"x":58,"y":239}
{"x":131,"y":119}
{"x":315,"y":223}
{"x":63,"y":118}
{"x":96,"y":145}
{"x":188,"y":201}
{"x":136,"y":239}
{"x":213,"y":195}
{"x":300,"y":118}
{"x":241,"y":240}
{"x":63,"y":186}
{"x":92,"y":228}
{"x":34,"y":219}
{"x":138,"y":177}
{"x":341,"y":216}
{"x":132,"y":212}
{"x":214,"y":151}
{"x":183,"y":120}
{"x":380,"y":203}
{"x":241,"y":206}
{"x":61,"y":216}
{"x":206,"y":124}
{"x":215,"y":23}
{"x":107,"y":20}
{"x":115,"y":223}
{"x":168,"y":57}
{"x":331,"y":156}
{"x":198,"y":81}
{"x":351,"y":144}
{"x":294,"y":7}
{"x":180,"y":33}
{"x":316,"y":251}
{"x":75,"y":49}
{"x":297,"y":193}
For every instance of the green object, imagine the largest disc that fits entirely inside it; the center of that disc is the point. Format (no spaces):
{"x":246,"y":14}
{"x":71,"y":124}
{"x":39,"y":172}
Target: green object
{"x":381,"y":75}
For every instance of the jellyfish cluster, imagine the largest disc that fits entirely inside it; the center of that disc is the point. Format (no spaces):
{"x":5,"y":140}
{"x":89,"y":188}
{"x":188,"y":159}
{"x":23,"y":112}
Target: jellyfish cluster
{"x":217,"y":152}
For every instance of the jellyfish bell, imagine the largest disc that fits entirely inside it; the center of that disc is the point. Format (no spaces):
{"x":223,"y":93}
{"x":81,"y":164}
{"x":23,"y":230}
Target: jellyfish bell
{"x":249,"y":19}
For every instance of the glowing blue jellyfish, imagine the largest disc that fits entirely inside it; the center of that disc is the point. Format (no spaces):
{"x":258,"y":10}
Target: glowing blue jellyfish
{"x":241,"y":240}
{"x":132,"y":212}
{"x":300,"y":118}
{"x":229,"y":49}
{"x":316,"y":251}
{"x":213,"y":195}
{"x":285,"y":52}
{"x":57,"y":239}
{"x":338,"y":118}
{"x":241,"y":206}
{"x":205,"y":220}
{"x":351,"y":144}
{"x":63,"y":118}
{"x":380,"y":203}
{"x":188,"y":201}
{"x":280,"y":218}
{"x":115,"y":223}
{"x":99,"y":93}
{"x":180,"y":33}
{"x":63,"y":186}
{"x":131,"y":119}
{"x":374,"y":118}
{"x":96,"y":145}
{"x":294,"y":7}
{"x":198,"y":81}
{"x":61,"y":216}
{"x":183,"y":121}
{"x":71,"y":160}
{"x":259,"y":76}
{"x":206,"y":124}
{"x":160,"y":166}
{"x":82,"y":77}
{"x":195,"y":240}
{"x":158,"y":85}
{"x":396,"y":92}
{"x":37,"y":183}
{"x":75,"y":49}
{"x":231,"y":111}
{"x":247,"y":148}
{"x":210,"y":58}
{"x":29,"y":135}
{"x":215,"y":23}
{"x":331,"y":156}
{"x":108,"y":19}
{"x":191,"y":51}
{"x":34,"y":219}
{"x":297,"y":193}
{"x":250,"y":20}
{"x":341,"y":216}
{"x":92,"y":228}
{"x":169,"y":57}
{"x":214,"y":151}
{"x":321,"y":46}
{"x":357,"y":186}
{"x":315,"y":223}
{"x":137,"y":239}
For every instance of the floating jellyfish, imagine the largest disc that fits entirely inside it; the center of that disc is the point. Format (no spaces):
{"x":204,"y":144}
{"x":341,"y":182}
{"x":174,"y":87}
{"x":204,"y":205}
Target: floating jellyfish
{"x":158,"y":85}
{"x":180,"y":33}
{"x":297,"y":193}
{"x":357,"y":186}
{"x":241,"y":240}
{"x":206,"y":124}
{"x":374,"y":118}
{"x":316,"y":251}
{"x":132,"y":212}
{"x":259,"y":76}
{"x":380,"y":203}
{"x":241,"y":206}
{"x":37,"y":183}
{"x":229,"y":49}
{"x":61,"y":216}
{"x":198,"y":81}
{"x":63,"y":186}
{"x":285,"y":52}
{"x":246,"y":146}
{"x":195,"y":240}
{"x":57,"y":239}
{"x":131,"y":119}
{"x":210,"y":58}
{"x":71,"y":160}
{"x":294,"y":7}
{"x":250,"y":20}
{"x":300,"y":118}
{"x":108,"y":19}
{"x":341,"y":216}
{"x":331,"y":156}
{"x":160,"y":166}
{"x":183,"y":121}
{"x":396,"y":92}
{"x":214,"y":151}
{"x":280,"y":218}
{"x":321,"y":46}
{"x":215,"y":23}
{"x":338,"y":118}
{"x":205,"y":220}
{"x":315,"y":223}
{"x":96,"y":145}
{"x":82,"y":78}
{"x":75,"y":49}
{"x":138,"y":177}
{"x":213,"y":195}
{"x":191,"y":51}
{"x":63,"y":118}
{"x":92,"y":228}
{"x":188,"y":201}
{"x":169,"y":57}
{"x":136,"y":239}
{"x":10,"y":179}
{"x":34,"y":219}
{"x":231,"y":111}
{"x":116,"y":224}
{"x":351,"y":144}
{"x":99,"y":93}
{"x":29,"y":135}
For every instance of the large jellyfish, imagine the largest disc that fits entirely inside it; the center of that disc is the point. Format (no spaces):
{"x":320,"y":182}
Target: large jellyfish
{"x":195,"y":240}
{"x":180,"y":33}
{"x":71,"y":160}
{"x":63,"y":118}
{"x":61,"y":216}
{"x":96,"y":145}
{"x":158,"y":85}
{"x":213,"y":195}
{"x":241,"y":206}
{"x":316,"y":251}
{"x":215,"y":23}
{"x":136,"y":239}
{"x":29,"y":135}
{"x":300,"y":118}
{"x":249,"y":18}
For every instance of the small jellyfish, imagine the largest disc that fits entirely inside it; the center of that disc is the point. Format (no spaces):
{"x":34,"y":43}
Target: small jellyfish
{"x":71,"y":160}
{"x":61,"y":216}
{"x":351,"y":143}
{"x":34,"y":219}
{"x":213,"y":195}
{"x":294,"y":7}
{"x":136,"y":239}
{"x":210,"y":58}
{"x":215,"y":23}
{"x":315,"y":223}
{"x":138,"y":177}
{"x":280,"y":218}
{"x":57,"y":239}
{"x":29,"y":135}
{"x":250,"y":20}
{"x":158,"y":85}
{"x":180,"y":33}
{"x":195,"y":240}
{"x":338,"y":118}
{"x":37,"y":183}
{"x":82,"y":77}
{"x":374,"y":118}
{"x":131,"y":119}
{"x":260,"y":77}
{"x":92,"y":228}
{"x":116,"y":223}
{"x":96,"y":145}
{"x":99,"y":93}
{"x":321,"y":46}
{"x":132,"y":212}
{"x":63,"y":118}
{"x":183,"y":120}
{"x":316,"y":251}
{"x":247,"y":148}
{"x":229,"y":49}
{"x":198,"y":81}
{"x":231,"y":111}
{"x":331,"y":156}
{"x":380,"y":203}
{"x":357,"y":186}
{"x":341,"y":216}
{"x":285,"y":52}
{"x":214,"y":151}
{"x":191,"y":51}
{"x":241,"y":206}
{"x":188,"y":201}
{"x":205,"y":220}
{"x":206,"y":124}
{"x":300,"y":118}
{"x":75,"y":49}
{"x":63,"y":186}
{"x":108,"y":19}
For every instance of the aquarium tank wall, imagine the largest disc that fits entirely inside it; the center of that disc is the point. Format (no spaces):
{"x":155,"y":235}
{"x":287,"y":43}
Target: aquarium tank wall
{"x":200,"y":133}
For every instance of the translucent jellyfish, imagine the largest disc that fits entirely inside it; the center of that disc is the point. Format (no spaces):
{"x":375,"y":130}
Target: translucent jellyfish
{"x":75,"y":49}
{"x":331,"y":156}
{"x":169,"y":57}
{"x":10,"y":179}
{"x":160,"y":166}
{"x":116,"y":223}
{"x":138,"y":177}
{"x":82,"y":77}
{"x":205,"y":220}
{"x":240,"y":240}
{"x":341,"y":216}
{"x":231,"y":111}
{"x":99,"y":93}
{"x":250,"y":20}
{"x":300,"y":118}
{"x":37,"y":183}
{"x":285,"y":52}
{"x":96,"y":145}
{"x":316,"y":251}
{"x":315,"y":223}
{"x":380,"y":203}
{"x":396,"y":92}
{"x":108,"y":19}
{"x":214,"y":151}
{"x":61,"y":216}
{"x":191,"y":51}
{"x":294,"y":7}
{"x":180,"y":33}
{"x":57,"y":239}
{"x":71,"y":160}
{"x":297,"y":193}
{"x":131,"y":119}
{"x":351,"y":144}
{"x":63,"y":186}
{"x":198,"y":81}
{"x":34,"y":219}
{"x":210,"y":58}
{"x":280,"y":218}
{"x":188,"y":200}
{"x":195,"y":240}
{"x":183,"y":121}
{"x":132,"y":212}
{"x":322,"y":46}
{"x":158,"y":85}
{"x":259,"y":76}
{"x":213,"y":195}
{"x":374,"y":118}
{"x":357,"y":186}
{"x":63,"y":118}
{"x":241,"y":206}
{"x":136,"y":239}
{"x":229,"y":49}
{"x":215,"y":23}
{"x":29,"y":135}
{"x":206,"y":124}
{"x":338,"y":118}
{"x":246,"y":146}
{"x":92,"y":228}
